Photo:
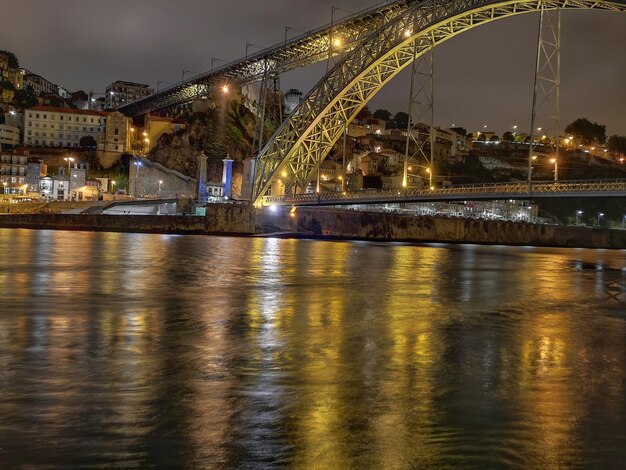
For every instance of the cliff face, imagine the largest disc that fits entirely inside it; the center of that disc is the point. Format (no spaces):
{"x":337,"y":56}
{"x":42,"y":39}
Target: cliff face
{"x":226,"y":130}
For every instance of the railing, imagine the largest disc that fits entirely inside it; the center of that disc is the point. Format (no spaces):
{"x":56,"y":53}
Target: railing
{"x":458,"y":192}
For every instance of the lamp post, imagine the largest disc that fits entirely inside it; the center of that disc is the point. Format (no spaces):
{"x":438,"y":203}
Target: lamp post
{"x":556,"y":169}
{"x":113,"y":183}
{"x":160,"y":183}
{"x":69,"y":161}
{"x":600,"y":215}
{"x":137,"y":165}
{"x":578,"y":214}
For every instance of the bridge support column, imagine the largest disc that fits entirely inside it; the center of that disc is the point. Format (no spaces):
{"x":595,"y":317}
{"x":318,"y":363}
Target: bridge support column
{"x":202,"y":159}
{"x":546,"y":117}
{"x":421,"y":133}
{"x":249,"y":174}
{"x":227,"y":177}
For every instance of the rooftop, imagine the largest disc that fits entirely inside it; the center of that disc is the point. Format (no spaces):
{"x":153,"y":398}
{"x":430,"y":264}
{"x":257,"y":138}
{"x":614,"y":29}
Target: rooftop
{"x":52,"y":109}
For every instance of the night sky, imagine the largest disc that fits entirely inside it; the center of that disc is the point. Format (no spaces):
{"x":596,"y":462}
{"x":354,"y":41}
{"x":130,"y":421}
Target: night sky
{"x":483,"y":77}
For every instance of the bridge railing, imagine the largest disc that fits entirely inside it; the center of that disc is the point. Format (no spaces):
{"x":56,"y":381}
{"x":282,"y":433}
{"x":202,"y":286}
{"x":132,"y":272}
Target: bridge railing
{"x":497,"y":189}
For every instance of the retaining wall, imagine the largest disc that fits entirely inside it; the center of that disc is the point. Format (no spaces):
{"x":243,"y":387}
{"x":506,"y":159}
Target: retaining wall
{"x":226,"y":219}
{"x":334,"y":223}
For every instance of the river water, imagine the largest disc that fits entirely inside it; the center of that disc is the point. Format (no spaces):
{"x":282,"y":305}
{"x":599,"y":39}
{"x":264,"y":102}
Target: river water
{"x":165,"y":351}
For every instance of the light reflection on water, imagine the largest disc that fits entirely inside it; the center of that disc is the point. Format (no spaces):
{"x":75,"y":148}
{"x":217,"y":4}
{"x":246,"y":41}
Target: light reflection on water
{"x":152,"y":350}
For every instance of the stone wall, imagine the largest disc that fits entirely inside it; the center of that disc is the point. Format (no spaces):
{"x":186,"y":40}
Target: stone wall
{"x":384,"y":226}
{"x":226,"y":219}
{"x":145,"y":181}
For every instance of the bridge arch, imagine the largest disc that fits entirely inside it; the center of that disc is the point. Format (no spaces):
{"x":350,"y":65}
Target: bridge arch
{"x":304,"y":140}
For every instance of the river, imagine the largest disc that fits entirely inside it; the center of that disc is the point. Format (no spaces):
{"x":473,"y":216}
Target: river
{"x":136,"y":350}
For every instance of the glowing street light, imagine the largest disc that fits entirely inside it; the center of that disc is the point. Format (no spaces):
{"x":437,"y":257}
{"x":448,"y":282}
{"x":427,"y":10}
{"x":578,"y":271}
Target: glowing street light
{"x":556,"y":169}
{"x":578,"y":214}
{"x":160,"y":184}
{"x":600,"y":215}
{"x":225,"y":89}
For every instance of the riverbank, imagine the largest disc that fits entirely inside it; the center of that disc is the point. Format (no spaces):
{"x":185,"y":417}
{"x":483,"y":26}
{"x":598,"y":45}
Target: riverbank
{"x":220,"y":219}
{"x":329,"y":224}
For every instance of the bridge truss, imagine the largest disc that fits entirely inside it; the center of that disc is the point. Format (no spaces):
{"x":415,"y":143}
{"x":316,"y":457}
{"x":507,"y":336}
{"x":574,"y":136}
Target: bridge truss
{"x":308,"y":48}
{"x":303,"y":141}
{"x":468,"y":192}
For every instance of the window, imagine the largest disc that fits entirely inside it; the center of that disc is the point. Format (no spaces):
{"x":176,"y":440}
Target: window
{"x":84,"y":119}
{"x":45,"y":125}
{"x":37,"y":116}
{"x":30,"y":115}
{"x":117,"y":131}
{"x":61,"y":118}
{"x":30,"y":124}
{"x":45,"y":116}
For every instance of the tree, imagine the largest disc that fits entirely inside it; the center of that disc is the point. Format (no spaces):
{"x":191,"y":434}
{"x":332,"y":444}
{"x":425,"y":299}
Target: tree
{"x":494,"y":138}
{"x":365,"y":113}
{"x":401,"y":120}
{"x":617,"y":144}
{"x":382,"y":114}
{"x":587,"y":132}
{"x":12,"y":58}
{"x":25,"y":99}
{"x":508,"y":137}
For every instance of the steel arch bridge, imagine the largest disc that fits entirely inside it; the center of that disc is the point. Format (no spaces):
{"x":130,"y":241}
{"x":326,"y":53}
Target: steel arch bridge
{"x":304,"y":140}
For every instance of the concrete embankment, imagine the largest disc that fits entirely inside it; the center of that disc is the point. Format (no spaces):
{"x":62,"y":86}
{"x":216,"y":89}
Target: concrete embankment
{"x":220,"y":219}
{"x":344,"y":224}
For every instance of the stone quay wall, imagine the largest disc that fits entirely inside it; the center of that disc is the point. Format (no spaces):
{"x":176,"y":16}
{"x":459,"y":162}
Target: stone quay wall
{"x":219,"y":219}
{"x":345,"y":224}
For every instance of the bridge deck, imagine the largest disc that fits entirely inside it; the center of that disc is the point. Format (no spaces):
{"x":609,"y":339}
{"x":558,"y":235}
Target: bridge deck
{"x":473,"y":192}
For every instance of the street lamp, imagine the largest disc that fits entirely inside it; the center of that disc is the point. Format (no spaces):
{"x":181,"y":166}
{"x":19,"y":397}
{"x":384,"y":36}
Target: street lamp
{"x":578,"y":214}
{"x":113,"y":183}
{"x":160,"y":183}
{"x":556,"y":169}
{"x":600,"y":215}
{"x":69,"y":161}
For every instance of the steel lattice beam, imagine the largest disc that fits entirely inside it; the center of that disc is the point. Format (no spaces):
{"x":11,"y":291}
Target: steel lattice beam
{"x":308,"y":48}
{"x":305,"y":139}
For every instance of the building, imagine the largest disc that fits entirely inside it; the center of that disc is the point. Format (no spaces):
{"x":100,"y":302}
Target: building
{"x":156,"y":126}
{"x":10,"y":71}
{"x":39,"y":85}
{"x":78,"y":187}
{"x":120,"y":93}
{"x":13,"y":171}
{"x":291,"y":100}
{"x":9,"y":136}
{"x":60,"y":127}
{"x":35,"y":171}
{"x":117,"y":133}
